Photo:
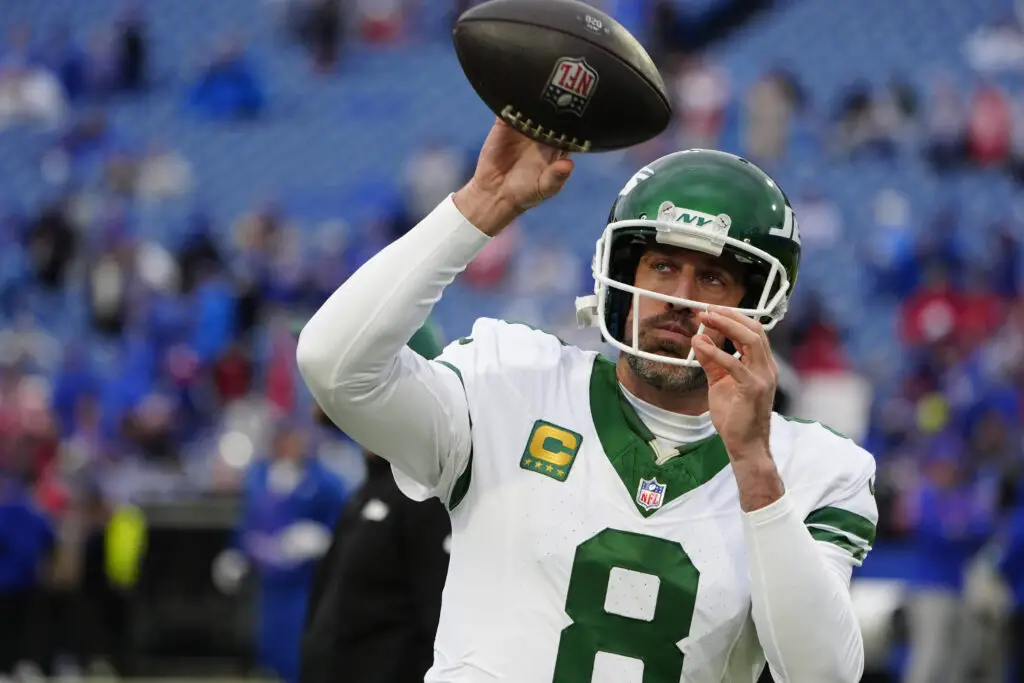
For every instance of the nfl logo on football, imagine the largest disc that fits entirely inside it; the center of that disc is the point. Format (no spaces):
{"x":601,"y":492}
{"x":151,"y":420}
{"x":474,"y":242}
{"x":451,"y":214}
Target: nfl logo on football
{"x":650,"y":495}
{"x":571,"y":86}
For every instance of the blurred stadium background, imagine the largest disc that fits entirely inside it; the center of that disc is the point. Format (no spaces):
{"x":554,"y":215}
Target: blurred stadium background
{"x":183,"y":181}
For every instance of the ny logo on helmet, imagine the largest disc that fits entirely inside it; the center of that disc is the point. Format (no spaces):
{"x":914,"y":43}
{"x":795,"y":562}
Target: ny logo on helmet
{"x":717,"y":225}
{"x":571,"y":85}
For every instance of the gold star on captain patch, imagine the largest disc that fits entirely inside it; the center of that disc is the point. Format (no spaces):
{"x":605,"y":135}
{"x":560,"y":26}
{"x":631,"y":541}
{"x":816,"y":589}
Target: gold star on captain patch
{"x":528,"y":461}
{"x":550,"y":468}
{"x":538,"y":464}
{"x":561,"y":473}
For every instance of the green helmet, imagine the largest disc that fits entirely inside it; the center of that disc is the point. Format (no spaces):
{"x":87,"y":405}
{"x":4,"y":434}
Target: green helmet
{"x":703,"y":200}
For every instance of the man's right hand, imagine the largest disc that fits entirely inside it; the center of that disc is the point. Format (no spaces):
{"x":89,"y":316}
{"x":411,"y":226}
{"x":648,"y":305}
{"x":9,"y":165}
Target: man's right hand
{"x":513,"y":174}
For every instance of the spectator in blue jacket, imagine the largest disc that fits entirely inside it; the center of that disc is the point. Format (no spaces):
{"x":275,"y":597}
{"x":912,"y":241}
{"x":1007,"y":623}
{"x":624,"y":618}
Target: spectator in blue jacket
{"x":229,"y":87}
{"x":952,"y":515}
{"x":291,"y":502}
{"x":26,"y":538}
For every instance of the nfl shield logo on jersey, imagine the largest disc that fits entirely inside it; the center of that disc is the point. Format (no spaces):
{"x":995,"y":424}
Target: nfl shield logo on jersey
{"x":571,"y":85}
{"x":650,"y":495}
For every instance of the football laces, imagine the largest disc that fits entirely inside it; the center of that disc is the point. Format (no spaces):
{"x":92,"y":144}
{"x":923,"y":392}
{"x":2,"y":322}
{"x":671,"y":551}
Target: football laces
{"x":520,"y":122}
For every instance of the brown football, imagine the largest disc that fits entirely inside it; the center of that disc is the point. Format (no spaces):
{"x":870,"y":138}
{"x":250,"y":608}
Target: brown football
{"x":563,"y":73}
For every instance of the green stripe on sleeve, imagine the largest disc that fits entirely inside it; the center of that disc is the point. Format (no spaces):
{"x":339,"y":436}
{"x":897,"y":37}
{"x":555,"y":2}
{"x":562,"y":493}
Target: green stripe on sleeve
{"x":848,"y":522}
{"x":841,"y":541}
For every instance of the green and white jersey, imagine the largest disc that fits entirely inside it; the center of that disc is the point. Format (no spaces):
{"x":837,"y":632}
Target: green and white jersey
{"x":576,"y":559}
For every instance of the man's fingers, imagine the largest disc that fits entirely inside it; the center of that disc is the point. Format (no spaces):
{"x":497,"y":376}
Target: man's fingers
{"x":552,"y":154}
{"x":708,"y":354}
{"x":555,"y":176}
{"x":747,"y":334}
{"x":563,"y":168}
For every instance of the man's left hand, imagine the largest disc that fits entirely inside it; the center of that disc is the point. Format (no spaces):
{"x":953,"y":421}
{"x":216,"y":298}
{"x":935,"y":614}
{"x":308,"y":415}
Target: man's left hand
{"x":741,"y":391}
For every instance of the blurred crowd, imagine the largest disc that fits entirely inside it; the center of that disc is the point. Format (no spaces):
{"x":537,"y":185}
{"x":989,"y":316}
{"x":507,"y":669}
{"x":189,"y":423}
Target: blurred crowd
{"x":129,"y":403}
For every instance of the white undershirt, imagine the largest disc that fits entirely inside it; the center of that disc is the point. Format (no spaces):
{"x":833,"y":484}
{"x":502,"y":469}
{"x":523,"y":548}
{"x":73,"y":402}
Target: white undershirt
{"x":354,"y":359}
{"x":670,"y":430}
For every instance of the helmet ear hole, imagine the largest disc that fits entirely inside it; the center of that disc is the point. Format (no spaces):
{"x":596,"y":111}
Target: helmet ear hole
{"x":618,"y":310}
{"x":754,"y":282}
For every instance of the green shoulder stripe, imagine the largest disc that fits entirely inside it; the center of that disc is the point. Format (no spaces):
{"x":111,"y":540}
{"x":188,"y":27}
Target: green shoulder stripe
{"x":461,"y":487}
{"x":458,"y":373}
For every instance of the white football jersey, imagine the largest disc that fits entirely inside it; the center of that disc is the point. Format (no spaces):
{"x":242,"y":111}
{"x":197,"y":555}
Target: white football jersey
{"x":575,"y":558}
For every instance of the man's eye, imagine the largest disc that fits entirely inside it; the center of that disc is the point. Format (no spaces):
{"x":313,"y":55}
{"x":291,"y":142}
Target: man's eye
{"x":713,"y":278}
{"x":662,"y":266}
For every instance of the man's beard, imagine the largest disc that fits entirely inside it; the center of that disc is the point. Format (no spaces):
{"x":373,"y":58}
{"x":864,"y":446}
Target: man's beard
{"x":678,"y":379}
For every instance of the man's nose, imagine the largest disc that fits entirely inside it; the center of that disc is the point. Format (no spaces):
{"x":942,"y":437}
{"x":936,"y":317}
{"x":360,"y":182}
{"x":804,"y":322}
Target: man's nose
{"x":685,"y":286}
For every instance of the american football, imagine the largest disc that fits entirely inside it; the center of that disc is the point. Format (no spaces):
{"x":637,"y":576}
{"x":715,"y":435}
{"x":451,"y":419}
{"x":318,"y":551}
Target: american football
{"x":562,"y":73}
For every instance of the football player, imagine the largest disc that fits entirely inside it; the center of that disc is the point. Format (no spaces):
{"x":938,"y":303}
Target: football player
{"x":647,"y":520}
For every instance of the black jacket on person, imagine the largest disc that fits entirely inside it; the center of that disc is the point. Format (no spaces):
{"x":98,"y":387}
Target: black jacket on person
{"x":376,"y":597}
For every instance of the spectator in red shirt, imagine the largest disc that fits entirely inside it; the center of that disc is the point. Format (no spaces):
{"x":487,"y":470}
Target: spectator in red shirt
{"x":982,"y":311}
{"x":988,"y":125}
{"x":933,"y":312}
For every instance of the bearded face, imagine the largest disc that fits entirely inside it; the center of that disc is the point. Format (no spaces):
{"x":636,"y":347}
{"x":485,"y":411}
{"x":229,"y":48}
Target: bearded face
{"x":667,"y":334}
{"x":666,"y":329}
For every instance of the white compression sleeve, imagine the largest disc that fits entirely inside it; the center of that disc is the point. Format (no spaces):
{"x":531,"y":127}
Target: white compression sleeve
{"x":801,"y":600}
{"x":353,"y":358}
